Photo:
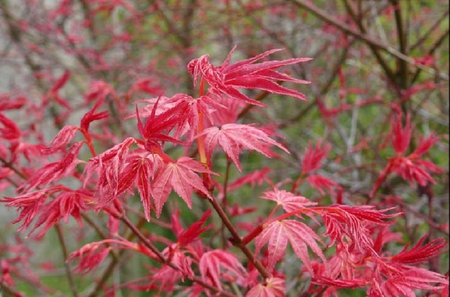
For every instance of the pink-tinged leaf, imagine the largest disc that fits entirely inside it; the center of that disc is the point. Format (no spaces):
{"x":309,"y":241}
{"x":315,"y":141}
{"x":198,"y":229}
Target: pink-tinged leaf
{"x":413,"y":170}
{"x":265,"y":85}
{"x":90,"y":256}
{"x":273,"y":287}
{"x":322,"y":183}
{"x":109,"y":165}
{"x":420,"y":253}
{"x":54,"y":171}
{"x":352,"y":222}
{"x":7,"y":103}
{"x":401,"y":137}
{"x":403,"y":280}
{"x":182,"y":177}
{"x":61,"y":139}
{"x":314,"y":156}
{"x":98,"y":90}
{"x":54,"y":91}
{"x":29,"y":205}
{"x":180,"y":259}
{"x":233,"y":137}
{"x":424,"y":146}
{"x":300,"y":236}
{"x":61,"y":81}
{"x":256,"y":177}
{"x":144,"y":172}
{"x":191,"y":234}
{"x":158,"y":126}
{"x":91,"y":116}
{"x":212,"y":263}
{"x":191,"y":108}
{"x":287,"y":200}
{"x":145,"y":85}
{"x":67,"y":203}
{"x":228,"y":78}
{"x":9,"y":131}
{"x":139,"y":162}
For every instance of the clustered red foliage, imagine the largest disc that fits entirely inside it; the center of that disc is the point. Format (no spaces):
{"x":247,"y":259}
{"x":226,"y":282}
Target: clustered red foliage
{"x":357,"y":233}
{"x":336,"y":246}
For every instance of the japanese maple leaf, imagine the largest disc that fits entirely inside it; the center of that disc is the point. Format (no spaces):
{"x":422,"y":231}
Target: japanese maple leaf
{"x":403,"y":280}
{"x":53,"y":92}
{"x":278,"y":233}
{"x":180,"y":176}
{"x":273,"y":287}
{"x":63,"y":138}
{"x":55,"y":170}
{"x":210,"y":266}
{"x":7,"y":103}
{"x":353,"y":222}
{"x":256,"y":177}
{"x":420,"y":253}
{"x":109,"y":165}
{"x":228,"y":78}
{"x":139,"y":169}
{"x":90,"y":256}
{"x":410,"y":167}
{"x":67,"y":203}
{"x":91,"y":115}
{"x":314,"y":156}
{"x":157,"y":127}
{"x":287,"y":200}
{"x":233,"y":137}
{"x":29,"y":205}
{"x":10,"y":131}
{"x":322,"y":183}
{"x":193,"y":231}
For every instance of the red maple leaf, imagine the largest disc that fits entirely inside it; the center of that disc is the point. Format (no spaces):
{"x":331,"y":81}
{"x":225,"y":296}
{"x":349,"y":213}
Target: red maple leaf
{"x":233,"y":137}
{"x":287,"y":200}
{"x":53,"y":92}
{"x":273,"y":287}
{"x":158,"y":126}
{"x":420,"y":253}
{"x":352,"y":223}
{"x":410,"y":167}
{"x":228,"y":78}
{"x":278,"y":233}
{"x":10,"y":131}
{"x":55,"y":170}
{"x":256,"y":177}
{"x":91,"y":115}
{"x":109,"y":166}
{"x":402,"y":280}
{"x":210,"y":267}
{"x":314,"y":156}
{"x":61,"y":140}
{"x":193,"y":231}
{"x":180,"y":176}
{"x":139,"y":169}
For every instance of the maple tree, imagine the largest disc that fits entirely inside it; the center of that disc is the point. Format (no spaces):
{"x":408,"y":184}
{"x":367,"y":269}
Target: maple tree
{"x":221,"y":189}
